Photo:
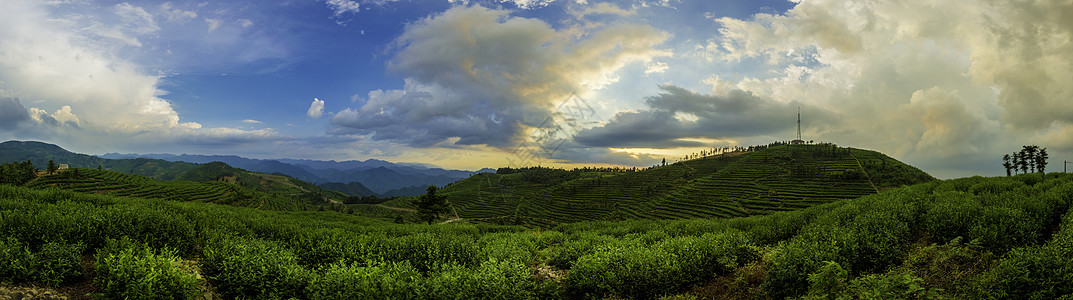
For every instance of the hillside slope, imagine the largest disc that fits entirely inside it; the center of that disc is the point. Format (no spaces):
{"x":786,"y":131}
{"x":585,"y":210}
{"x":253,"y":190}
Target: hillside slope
{"x":776,"y":178}
{"x":119,"y":184}
{"x":40,"y":153}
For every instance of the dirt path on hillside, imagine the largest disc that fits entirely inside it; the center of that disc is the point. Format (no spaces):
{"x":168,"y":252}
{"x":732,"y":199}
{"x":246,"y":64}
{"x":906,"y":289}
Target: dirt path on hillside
{"x":865,"y":172}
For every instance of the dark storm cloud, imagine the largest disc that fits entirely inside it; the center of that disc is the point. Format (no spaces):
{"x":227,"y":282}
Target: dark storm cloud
{"x":678,"y":114}
{"x":12,"y":113}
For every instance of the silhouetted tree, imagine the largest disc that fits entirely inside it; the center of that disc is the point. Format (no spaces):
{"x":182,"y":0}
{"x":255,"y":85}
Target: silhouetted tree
{"x":1030,"y":156}
{"x":1041,"y":160}
{"x":1023,"y":161}
{"x":430,"y":206}
{"x":1006,"y":163}
{"x":51,"y":167}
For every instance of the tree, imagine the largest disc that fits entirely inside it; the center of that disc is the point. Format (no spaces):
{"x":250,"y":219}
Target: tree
{"x":1006,"y":163}
{"x":1041,"y":160}
{"x":664,"y":161}
{"x":430,"y":206}
{"x":1030,"y":156}
{"x":51,"y":167}
{"x":1023,"y":158}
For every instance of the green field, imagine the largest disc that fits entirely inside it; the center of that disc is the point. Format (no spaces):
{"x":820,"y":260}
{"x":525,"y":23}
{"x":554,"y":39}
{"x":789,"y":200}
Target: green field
{"x":777,"y":178}
{"x":963,"y":238}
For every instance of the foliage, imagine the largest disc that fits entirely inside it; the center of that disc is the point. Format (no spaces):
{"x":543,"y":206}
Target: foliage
{"x":58,"y":263}
{"x":17,"y":173}
{"x":16,"y":261}
{"x":430,"y":206}
{"x":128,"y":269}
{"x":720,"y":183}
{"x":1007,"y":237}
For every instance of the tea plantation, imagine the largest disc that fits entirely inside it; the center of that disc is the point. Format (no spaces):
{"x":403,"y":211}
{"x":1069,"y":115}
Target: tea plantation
{"x":758,"y":182}
{"x":971,"y":238}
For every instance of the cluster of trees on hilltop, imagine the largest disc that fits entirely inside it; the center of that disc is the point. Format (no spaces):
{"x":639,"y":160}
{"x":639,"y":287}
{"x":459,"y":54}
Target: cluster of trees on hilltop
{"x":17,"y":173}
{"x":1030,"y":159}
{"x":722,"y":150}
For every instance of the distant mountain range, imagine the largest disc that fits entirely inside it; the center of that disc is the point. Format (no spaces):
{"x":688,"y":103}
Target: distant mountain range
{"x":376,"y":176}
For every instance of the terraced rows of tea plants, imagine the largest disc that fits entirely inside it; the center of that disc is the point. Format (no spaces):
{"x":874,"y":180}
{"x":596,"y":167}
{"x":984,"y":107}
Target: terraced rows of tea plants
{"x":776,"y":178}
{"x":969,"y":238}
{"x":126,"y":185}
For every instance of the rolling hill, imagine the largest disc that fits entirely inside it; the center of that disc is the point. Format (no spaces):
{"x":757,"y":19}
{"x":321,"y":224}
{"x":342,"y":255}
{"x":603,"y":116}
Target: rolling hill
{"x":40,"y":153}
{"x":775,"y":178}
{"x":381,"y":177}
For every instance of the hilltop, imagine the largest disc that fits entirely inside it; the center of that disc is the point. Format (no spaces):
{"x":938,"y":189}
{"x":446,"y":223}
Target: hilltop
{"x":759,"y":181}
{"x":40,"y":153}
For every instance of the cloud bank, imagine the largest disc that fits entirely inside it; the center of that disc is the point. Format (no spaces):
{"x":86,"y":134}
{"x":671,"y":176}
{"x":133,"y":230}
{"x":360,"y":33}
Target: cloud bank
{"x":479,"y":76}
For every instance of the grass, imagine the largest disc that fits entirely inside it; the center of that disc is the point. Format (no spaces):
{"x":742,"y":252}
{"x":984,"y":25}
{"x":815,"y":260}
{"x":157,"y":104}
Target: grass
{"x":964,"y":238}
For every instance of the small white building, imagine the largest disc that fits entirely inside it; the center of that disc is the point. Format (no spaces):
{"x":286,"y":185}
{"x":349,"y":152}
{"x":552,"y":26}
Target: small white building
{"x":64,"y":167}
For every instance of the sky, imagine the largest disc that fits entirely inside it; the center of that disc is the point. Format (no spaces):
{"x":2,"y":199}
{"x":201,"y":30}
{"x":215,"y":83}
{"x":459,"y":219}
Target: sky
{"x":946,"y":86}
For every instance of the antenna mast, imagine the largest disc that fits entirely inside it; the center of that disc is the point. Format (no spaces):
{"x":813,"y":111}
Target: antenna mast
{"x":799,"y":123}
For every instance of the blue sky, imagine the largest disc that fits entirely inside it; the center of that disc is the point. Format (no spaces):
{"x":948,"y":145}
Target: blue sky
{"x":945,"y":86}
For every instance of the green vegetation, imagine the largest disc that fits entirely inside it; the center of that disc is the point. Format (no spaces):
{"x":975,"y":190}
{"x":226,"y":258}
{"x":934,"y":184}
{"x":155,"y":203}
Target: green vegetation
{"x":965,"y":238}
{"x":1029,"y":159}
{"x":753,"y":181}
{"x":119,"y":184}
{"x":430,"y":206}
{"x":39,"y":154}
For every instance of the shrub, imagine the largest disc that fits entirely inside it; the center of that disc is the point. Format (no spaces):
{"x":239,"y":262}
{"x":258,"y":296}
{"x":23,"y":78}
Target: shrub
{"x":254,"y":268}
{"x":16,"y":261}
{"x":492,"y":279}
{"x":890,"y":286}
{"x":58,"y":263}
{"x":133,"y":270}
{"x":631,"y":271}
{"x":376,"y":281}
{"x":828,"y":281}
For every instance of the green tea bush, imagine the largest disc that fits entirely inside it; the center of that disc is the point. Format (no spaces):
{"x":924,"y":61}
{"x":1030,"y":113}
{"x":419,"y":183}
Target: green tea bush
{"x":374,"y":281}
{"x":828,"y":282}
{"x":563,"y":255}
{"x":710,"y":254}
{"x":16,"y":261}
{"x":806,"y":253}
{"x":1042,"y":272}
{"x":254,"y":268}
{"x":639,"y":270}
{"x":492,"y":279}
{"x":426,"y":250}
{"x":128,"y":269}
{"x":632,"y":271}
{"x":997,"y":186}
{"x":890,"y":285}
{"x":58,"y":263}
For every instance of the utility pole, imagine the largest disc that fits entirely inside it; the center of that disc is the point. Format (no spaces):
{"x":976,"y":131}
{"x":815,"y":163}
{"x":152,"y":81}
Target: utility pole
{"x":799,"y":123}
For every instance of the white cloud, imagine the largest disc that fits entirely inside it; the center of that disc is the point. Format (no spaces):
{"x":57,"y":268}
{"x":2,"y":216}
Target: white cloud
{"x":213,"y":24}
{"x":485,"y":77}
{"x":83,"y":89}
{"x":245,"y":23}
{"x":175,"y":14}
{"x":529,"y":4}
{"x":251,"y":121}
{"x":340,"y":7}
{"x":316,"y":109}
{"x":926,"y":81}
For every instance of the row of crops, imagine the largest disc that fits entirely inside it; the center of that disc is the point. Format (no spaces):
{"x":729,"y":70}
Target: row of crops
{"x":965,"y":238}
{"x":126,"y":185}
